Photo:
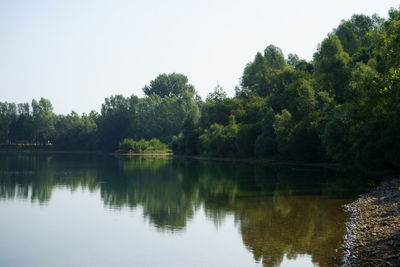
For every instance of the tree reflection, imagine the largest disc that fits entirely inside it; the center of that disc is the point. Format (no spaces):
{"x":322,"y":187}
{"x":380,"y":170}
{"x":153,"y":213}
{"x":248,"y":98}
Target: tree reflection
{"x":294,"y":225}
{"x":279,"y":210}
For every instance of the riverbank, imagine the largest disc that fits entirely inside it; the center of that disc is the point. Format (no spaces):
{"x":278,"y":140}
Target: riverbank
{"x":51,"y":150}
{"x":24,"y":149}
{"x":373,"y":228}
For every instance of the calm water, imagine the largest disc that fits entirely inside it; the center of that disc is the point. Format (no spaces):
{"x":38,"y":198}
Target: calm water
{"x":86,"y":210}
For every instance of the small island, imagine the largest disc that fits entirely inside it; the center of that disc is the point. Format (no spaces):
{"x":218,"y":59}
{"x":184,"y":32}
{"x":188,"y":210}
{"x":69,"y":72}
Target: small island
{"x":142,"y":147}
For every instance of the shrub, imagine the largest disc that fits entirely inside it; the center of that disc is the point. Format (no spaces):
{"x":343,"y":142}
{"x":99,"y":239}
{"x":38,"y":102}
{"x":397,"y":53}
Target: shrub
{"x":131,"y":146}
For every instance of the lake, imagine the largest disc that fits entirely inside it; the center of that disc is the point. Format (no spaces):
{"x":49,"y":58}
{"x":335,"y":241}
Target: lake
{"x":103,"y":210}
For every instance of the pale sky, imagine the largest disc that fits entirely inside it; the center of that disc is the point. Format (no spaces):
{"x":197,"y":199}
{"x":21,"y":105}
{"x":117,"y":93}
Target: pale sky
{"x":78,"y":52}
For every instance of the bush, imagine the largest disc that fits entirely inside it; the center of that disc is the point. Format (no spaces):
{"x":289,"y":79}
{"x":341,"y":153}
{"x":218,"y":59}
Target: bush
{"x":131,"y":146}
{"x":219,"y":140}
{"x":127,"y":145}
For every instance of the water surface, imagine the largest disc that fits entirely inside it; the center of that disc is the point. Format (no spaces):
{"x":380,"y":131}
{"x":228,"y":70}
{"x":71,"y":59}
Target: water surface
{"x":90,"y":210}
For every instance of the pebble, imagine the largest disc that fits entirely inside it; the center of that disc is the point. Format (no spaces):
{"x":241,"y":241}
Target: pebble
{"x":373,"y":228}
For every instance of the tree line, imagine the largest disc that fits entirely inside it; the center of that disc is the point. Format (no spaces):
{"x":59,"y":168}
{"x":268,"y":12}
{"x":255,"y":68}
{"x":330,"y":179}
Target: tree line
{"x":341,"y":106}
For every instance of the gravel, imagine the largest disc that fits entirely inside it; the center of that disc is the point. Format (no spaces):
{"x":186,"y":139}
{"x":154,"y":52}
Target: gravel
{"x":373,"y":228}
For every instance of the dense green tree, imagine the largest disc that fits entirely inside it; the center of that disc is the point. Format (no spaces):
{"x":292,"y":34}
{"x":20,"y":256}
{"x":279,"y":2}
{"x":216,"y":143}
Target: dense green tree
{"x":274,"y":58}
{"x":43,"y":120}
{"x":219,"y":140}
{"x":250,"y":110}
{"x":21,"y":129}
{"x":356,"y":34}
{"x":293,"y":59}
{"x":76,"y":132}
{"x":8,"y":113}
{"x":283,"y":125}
{"x":218,"y":95}
{"x":190,"y":138}
{"x":332,"y":70}
{"x":246,"y":138}
{"x":170,"y":84}
{"x":113,"y":121}
{"x":259,"y":75}
{"x":161,"y":114}
{"x":217,"y":108}
{"x":266,"y":145}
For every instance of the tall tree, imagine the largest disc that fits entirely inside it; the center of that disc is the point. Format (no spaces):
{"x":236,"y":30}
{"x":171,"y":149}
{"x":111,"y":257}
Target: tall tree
{"x":8,"y":114}
{"x":258,"y":76}
{"x":43,"y":119}
{"x":170,"y":84}
{"x":332,"y":69}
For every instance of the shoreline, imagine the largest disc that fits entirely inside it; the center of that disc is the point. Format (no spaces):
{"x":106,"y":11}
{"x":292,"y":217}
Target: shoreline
{"x":325,"y":165}
{"x":373,"y":228}
{"x":268,"y":162}
{"x":81,"y":152}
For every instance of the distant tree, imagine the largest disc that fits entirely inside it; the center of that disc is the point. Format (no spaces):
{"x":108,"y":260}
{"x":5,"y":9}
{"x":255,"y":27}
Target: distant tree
{"x":43,"y":120}
{"x":114,"y":122}
{"x":293,"y":60}
{"x":74,"y":132}
{"x":274,"y":58}
{"x":21,"y":130}
{"x":8,"y":114}
{"x":174,"y":84}
{"x":217,"y":95}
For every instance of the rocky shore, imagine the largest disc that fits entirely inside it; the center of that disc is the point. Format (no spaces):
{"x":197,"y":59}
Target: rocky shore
{"x":373,"y":228}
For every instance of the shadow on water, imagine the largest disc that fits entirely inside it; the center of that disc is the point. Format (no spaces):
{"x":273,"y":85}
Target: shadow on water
{"x":279,"y":210}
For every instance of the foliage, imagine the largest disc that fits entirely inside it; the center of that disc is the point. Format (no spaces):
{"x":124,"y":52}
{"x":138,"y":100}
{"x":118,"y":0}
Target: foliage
{"x":173,"y":84}
{"x":128,"y":145}
{"x":332,"y":70}
{"x":76,"y":132}
{"x":219,"y":140}
{"x":246,"y":138}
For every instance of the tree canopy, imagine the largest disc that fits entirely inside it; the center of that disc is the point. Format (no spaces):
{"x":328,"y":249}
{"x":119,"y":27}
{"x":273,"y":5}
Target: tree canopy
{"x":174,"y":84}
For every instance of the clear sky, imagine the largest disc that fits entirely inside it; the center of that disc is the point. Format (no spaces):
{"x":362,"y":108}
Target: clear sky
{"x":77,"y":52}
